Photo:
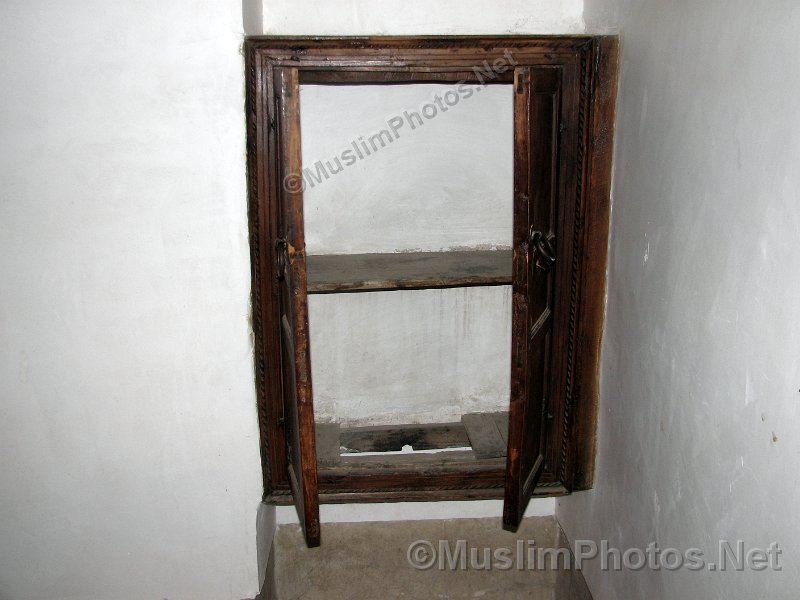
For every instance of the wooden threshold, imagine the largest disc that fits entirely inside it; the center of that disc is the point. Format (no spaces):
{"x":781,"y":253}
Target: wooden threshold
{"x":407,"y":270}
{"x":433,"y":495}
{"x":284,"y":498}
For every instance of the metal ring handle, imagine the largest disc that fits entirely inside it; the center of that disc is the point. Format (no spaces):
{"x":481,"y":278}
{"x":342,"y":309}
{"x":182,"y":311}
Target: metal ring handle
{"x":544,"y":248}
{"x":281,"y":248}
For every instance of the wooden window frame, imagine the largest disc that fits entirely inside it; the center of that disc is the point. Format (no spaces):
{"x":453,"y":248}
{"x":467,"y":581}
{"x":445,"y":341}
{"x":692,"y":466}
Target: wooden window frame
{"x":592,"y":62}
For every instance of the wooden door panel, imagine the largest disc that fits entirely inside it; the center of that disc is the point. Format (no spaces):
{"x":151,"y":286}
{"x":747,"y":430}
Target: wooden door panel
{"x":536,"y":131}
{"x":293,"y":292}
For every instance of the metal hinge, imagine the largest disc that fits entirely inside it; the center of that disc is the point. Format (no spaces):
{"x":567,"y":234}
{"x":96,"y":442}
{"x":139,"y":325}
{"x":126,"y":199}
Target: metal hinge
{"x":281,"y":257}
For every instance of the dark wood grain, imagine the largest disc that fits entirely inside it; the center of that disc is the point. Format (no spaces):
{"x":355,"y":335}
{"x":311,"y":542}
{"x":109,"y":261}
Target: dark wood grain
{"x":474,"y":485}
{"x":535,"y":314}
{"x":420,"y":494}
{"x":407,"y":270}
{"x":595,"y":255}
{"x":292,"y":289}
{"x":582,"y":182}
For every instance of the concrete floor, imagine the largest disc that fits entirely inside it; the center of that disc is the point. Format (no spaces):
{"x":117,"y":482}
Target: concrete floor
{"x":370,"y":561}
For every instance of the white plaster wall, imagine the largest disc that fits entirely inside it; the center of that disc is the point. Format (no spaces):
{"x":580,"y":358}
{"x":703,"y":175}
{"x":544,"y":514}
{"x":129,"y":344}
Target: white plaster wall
{"x":399,"y":17}
{"x":128,"y":443}
{"x":438,"y":183}
{"x":699,"y":432}
{"x":266,"y":525}
{"x":423,"y":356}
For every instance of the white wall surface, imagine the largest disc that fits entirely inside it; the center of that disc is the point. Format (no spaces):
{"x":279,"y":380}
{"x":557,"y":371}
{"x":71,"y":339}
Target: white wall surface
{"x":427,"y":184}
{"x":699,"y":432}
{"x":128,"y":443}
{"x":398,"y":17}
{"x":421,"y":356}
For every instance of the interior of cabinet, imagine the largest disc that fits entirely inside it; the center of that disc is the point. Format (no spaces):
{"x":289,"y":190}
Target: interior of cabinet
{"x":415,"y":370}
{"x":427,"y":330}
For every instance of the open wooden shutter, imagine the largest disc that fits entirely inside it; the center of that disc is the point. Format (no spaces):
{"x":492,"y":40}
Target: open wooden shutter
{"x":536,"y":131}
{"x":295,"y":351}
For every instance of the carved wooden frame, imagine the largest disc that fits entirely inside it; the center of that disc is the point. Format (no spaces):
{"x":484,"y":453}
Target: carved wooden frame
{"x":420,"y":59}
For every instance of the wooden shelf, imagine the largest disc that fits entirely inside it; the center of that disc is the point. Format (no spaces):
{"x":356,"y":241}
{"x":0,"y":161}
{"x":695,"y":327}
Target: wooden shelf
{"x":336,"y":273}
{"x":478,"y":436}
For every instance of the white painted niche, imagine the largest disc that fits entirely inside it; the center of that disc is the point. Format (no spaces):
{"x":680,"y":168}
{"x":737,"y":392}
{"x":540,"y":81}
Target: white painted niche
{"x":381,"y":179}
